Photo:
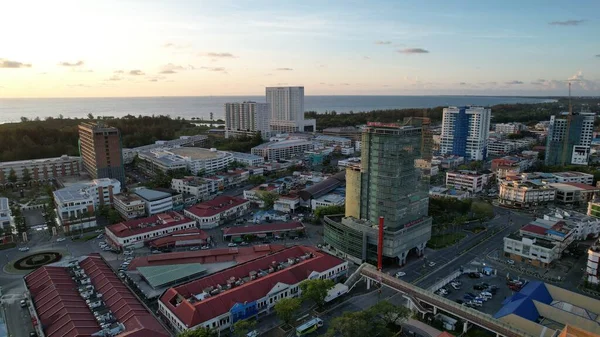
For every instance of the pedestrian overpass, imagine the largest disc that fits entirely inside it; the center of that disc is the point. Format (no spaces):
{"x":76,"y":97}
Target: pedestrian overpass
{"x":427,"y":302}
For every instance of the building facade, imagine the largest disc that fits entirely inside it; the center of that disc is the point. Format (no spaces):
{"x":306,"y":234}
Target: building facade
{"x":5,"y":214}
{"x":574,"y":177}
{"x":287,"y":110}
{"x":284,"y":149}
{"x":466,"y":180}
{"x":593,"y":264}
{"x":524,"y":194}
{"x":194,"y":159}
{"x":100,"y":150}
{"x":388,"y":185}
{"x":156,"y":201}
{"x":509,"y":128}
{"x":248,"y":159}
{"x":247,"y":118}
{"x":212,"y":213}
{"x":465,"y":132}
{"x":40,"y":170}
{"x":200,"y":188}
{"x":569,"y":139}
{"x":129,"y":206}
{"x":197,"y":140}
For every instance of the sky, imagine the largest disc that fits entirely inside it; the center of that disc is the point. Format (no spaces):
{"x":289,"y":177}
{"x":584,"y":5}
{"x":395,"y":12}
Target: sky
{"x":123,"y":48}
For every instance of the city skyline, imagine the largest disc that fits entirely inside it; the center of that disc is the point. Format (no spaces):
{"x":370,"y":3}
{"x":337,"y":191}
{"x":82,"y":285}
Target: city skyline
{"x":204,"y":48}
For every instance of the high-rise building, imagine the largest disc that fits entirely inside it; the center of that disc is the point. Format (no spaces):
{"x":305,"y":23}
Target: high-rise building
{"x":569,"y":145}
{"x":465,"y":132}
{"x":100,"y":149}
{"x":287,"y":110}
{"x":247,"y":118}
{"x":387,"y":184}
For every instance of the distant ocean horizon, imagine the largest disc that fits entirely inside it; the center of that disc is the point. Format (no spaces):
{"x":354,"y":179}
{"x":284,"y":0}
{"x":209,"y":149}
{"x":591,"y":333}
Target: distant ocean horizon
{"x":12,"y":109}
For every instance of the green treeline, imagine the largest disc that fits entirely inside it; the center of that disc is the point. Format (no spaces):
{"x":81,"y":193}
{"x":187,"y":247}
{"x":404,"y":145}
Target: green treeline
{"x":54,"y":137}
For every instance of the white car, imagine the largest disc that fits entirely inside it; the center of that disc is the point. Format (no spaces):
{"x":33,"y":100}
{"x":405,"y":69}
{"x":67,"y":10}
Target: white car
{"x":205,"y":247}
{"x":231,"y":244}
{"x":511,"y":262}
{"x":195,"y":248}
{"x":431,"y":264}
{"x":128,"y":252}
{"x":400,"y":274}
{"x":60,"y":239}
{"x":24,"y":249}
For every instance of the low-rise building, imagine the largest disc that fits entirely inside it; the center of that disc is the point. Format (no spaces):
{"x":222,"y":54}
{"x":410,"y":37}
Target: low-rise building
{"x":212,"y":213}
{"x":592,"y":270}
{"x":503,"y":147}
{"x":348,"y":162}
{"x":509,"y":128}
{"x":427,"y":168}
{"x":511,"y":165}
{"x":350,"y":132}
{"x":443,"y":192}
{"x":331,"y":199}
{"x":195,"y":159}
{"x":574,"y":177}
{"x":156,"y":201}
{"x":130,"y":206}
{"x":5,"y":214}
{"x":201,"y":188}
{"x":247,"y":290}
{"x":334,"y":141}
{"x":274,"y":231}
{"x":524,"y":193}
{"x":539,"y":243}
{"x":41,"y":170}
{"x":76,"y":204}
{"x":287,"y":203}
{"x":284,"y":149}
{"x":255,"y":194}
{"x":248,"y":159}
{"x":466,"y":180}
{"x":575,"y":193}
{"x":134,"y":233}
{"x":181,"y":238}
{"x":448,"y":162}
{"x":584,"y":226}
{"x":197,"y":140}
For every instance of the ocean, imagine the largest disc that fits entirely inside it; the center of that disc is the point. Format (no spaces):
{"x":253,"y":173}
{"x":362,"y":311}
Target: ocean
{"x":12,"y":109}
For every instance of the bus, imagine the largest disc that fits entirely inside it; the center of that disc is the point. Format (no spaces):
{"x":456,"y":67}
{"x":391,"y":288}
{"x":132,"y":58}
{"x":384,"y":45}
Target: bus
{"x":309,"y":326}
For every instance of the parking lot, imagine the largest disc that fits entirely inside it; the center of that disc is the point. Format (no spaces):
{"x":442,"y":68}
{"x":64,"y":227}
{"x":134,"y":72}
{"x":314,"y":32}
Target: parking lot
{"x":492,"y":305}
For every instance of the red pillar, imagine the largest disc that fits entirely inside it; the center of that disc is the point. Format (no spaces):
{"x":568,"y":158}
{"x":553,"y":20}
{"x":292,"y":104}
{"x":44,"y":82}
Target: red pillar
{"x":380,"y":245}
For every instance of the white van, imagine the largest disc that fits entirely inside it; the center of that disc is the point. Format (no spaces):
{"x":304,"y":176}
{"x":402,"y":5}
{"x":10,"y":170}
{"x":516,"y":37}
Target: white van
{"x":486,"y":294}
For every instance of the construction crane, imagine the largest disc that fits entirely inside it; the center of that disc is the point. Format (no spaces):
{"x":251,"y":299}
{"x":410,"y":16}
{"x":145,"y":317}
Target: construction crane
{"x":567,"y":129}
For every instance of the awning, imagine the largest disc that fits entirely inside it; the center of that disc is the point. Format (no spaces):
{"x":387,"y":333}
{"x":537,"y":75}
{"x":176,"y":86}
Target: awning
{"x":237,"y":239}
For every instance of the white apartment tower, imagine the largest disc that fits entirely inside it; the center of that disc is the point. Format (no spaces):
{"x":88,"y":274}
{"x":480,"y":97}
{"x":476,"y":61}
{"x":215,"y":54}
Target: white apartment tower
{"x":246,"y":119}
{"x":287,"y":108}
{"x":465,"y":132}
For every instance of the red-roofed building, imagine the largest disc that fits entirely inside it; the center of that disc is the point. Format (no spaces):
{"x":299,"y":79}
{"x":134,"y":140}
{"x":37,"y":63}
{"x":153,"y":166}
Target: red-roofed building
{"x":134,"y":233}
{"x":59,"y":293}
{"x":575,"y":193}
{"x":187,"y":237}
{"x":261,"y":231}
{"x":246,"y":290}
{"x":211,"y":214}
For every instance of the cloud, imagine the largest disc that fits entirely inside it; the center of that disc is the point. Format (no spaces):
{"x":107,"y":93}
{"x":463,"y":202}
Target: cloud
{"x":597,"y":55}
{"x":118,"y":72}
{"x":413,"y":51}
{"x":115,"y":78}
{"x":514,"y":82}
{"x":136,"y":72}
{"x":169,"y":45}
{"x":366,"y":58}
{"x":4,"y":63}
{"x":578,"y":77}
{"x":68,"y":64}
{"x":567,"y":23}
{"x":344,"y":83}
{"x":220,"y":55}
{"x":171,"y":68}
{"x":168,"y":71}
{"x":284,"y":69}
{"x":153,"y":80}
{"x":215,"y":69}
{"x":462,"y":83}
{"x":383,"y":42}
{"x":78,"y":85}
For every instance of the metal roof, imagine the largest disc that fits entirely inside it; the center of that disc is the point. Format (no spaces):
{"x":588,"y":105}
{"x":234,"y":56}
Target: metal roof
{"x":151,"y":195}
{"x":319,"y":189}
{"x":158,"y":276}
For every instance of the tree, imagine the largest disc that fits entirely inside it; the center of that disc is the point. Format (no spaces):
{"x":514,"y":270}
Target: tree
{"x":113,"y":216}
{"x":243,"y":327}
{"x":316,"y":290}
{"x":90,"y":116}
{"x":20,"y":225}
{"x":257,"y":180}
{"x":235,"y":164}
{"x":201,"y":173}
{"x":12,"y":176}
{"x":322,"y":211}
{"x":268,"y":198}
{"x":482,"y":209}
{"x":389,"y":313}
{"x":286,"y":308}
{"x":200,"y":332}
{"x":24,"y":119}
{"x":476,"y":165}
{"x":26,"y":176}
{"x":357,"y":324}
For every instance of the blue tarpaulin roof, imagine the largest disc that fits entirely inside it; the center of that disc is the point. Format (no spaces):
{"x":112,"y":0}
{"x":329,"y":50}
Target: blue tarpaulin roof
{"x":521,"y":303}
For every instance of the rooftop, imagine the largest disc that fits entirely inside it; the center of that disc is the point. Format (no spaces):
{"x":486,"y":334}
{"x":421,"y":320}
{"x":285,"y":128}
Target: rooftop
{"x":158,"y":276}
{"x":266,"y":228}
{"x":33,"y":162}
{"x":196,"y":153}
{"x":4,"y":205}
{"x":332,"y":138}
{"x":127,"y":198}
{"x":246,"y":156}
{"x":216,"y":206}
{"x":324,"y":187}
{"x":151,"y":195}
{"x":283,"y":144}
{"x":572,"y":187}
{"x":150,"y":224}
{"x":571,"y":174}
{"x":331,"y":197}
{"x":191,"y":234}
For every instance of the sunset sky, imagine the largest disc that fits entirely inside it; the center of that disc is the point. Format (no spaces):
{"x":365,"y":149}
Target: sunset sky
{"x":196,"y":48}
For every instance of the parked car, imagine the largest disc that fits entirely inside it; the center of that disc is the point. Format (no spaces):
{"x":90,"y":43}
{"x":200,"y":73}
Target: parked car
{"x":455,"y":285}
{"x":205,"y":247}
{"x":195,"y":248}
{"x":479,"y":287}
{"x":155,"y":251}
{"x":460,"y":301}
{"x":23,"y":303}
{"x":511,"y":262}
{"x":60,"y":239}
{"x":400,"y":274}
{"x":128,"y":252}
{"x":100,"y":236}
{"x":244,"y":244}
{"x":471,"y":294}
{"x":431,"y":264}
{"x":474,"y":275}
{"x":24,"y":249}
{"x":231,"y":244}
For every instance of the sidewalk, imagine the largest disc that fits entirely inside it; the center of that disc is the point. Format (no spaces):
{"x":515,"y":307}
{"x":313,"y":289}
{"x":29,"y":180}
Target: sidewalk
{"x":433,"y":332}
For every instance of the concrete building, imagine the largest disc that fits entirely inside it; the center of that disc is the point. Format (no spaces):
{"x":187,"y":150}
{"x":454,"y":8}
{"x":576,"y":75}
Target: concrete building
{"x":255,"y":194}
{"x":541,"y":309}
{"x":274,"y":231}
{"x":213,"y":213}
{"x":156,"y":201}
{"x":501,"y":147}
{"x":386,"y":185}
{"x":465,"y":132}
{"x":334,"y":141}
{"x":284,"y":149}
{"x":593,"y":264}
{"x":524,"y":194}
{"x":287,"y":110}
{"x":511,"y":165}
{"x":509,"y":128}
{"x":448,"y":162}
{"x":540,"y":242}
{"x":466,"y":180}
{"x":76,"y":204}
{"x":197,"y":140}
{"x":331,"y":199}
{"x":194,"y":159}
{"x":575,"y":193}
{"x":443,"y":192}
{"x":100,"y":149}
{"x":201,"y":188}
{"x":343,"y":163}
{"x":130,"y":206}
{"x":584,"y":226}
{"x":134,"y":233}
{"x":5,"y":215}
{"x":569,"y":145}
{"x":248,"y":159}
{"x":246,"y":119}
{"x":350,"y":132}
{"x":574,"y":177}
{"x":247,"y":290}
{"x":40,"y":170}
{"x":287,"y":203}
